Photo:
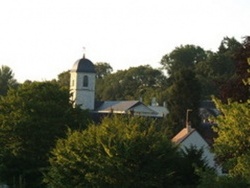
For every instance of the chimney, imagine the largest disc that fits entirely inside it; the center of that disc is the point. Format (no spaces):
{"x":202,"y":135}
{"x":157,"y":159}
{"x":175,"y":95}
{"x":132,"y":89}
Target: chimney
{"x":188,"y":127}
{"x":140,"y":99}
{"x":154,"y":102}
{"x":188,"y":123}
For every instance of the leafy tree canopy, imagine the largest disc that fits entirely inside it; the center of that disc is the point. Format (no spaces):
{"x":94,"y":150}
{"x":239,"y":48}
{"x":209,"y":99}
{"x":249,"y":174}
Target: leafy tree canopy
{"x":212,"y":69}
{"x":236,"y":87}
{"x":7,"y":79}
{"x":64,"y":79}
{"x":229,"y":45}
{"x":182,"y":57}
{"x":131,"y":84}
{"x":123,"y":152}
{"x":120,"y":152}
{"x":102,"y":69}
{"x":183,"y":94}
{"x":211,"y":179}
{"x":232,"y":146}
{"x":32,"y":117}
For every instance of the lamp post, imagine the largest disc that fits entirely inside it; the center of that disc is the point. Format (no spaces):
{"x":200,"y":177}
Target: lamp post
{"x":187,"y":113}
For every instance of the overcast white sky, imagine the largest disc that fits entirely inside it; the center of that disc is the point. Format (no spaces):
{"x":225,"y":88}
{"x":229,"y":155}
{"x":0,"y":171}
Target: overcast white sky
{"x":41,"y":38}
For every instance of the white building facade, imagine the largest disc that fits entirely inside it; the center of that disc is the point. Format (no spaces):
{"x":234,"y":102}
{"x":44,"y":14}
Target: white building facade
{"x":82,"y":83}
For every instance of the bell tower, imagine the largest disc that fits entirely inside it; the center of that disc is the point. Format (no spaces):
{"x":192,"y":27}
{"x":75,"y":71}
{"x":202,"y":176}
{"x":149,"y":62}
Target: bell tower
{"x":82,"y":83}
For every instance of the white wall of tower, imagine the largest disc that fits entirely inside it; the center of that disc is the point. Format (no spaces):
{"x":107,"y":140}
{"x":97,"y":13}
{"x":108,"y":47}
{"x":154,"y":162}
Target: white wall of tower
{"x":83,"y":95}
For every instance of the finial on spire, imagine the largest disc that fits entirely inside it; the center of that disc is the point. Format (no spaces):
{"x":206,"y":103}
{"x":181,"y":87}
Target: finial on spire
{"x":84,"y":52}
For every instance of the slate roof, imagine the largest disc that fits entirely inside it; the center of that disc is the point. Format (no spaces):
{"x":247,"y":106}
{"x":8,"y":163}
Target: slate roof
{"x":126,"y":107}
{"x":208,"y":108}
{"x":161,"y":110}
{"x":123,"y":106}
{"x":83,"y":65}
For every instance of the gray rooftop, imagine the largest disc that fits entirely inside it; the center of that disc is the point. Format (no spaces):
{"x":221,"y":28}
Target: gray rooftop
{"x":83,"y":65}
{"x":117,"y":105}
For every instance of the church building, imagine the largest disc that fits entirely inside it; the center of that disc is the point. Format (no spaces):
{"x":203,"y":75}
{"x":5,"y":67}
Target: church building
{"x":82,"y":83}
{"x":82,"y":88}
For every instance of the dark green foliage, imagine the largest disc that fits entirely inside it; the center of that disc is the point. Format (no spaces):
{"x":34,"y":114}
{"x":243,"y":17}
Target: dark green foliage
{"x":235,"y":88}
{"x":195,"y":75}
{"x":232,"y":146}
{"x":132,"y":84}
{"x":123,"y":152}
{"x":31,"y":119}
{"x":211,"y":180}
{"x":117,"y":153}
{"x":102,"y":69}
{"x":7,"y":80}
{"x":218,"y":70}
{"x":184,"y":91}
{"x":212,"y":69}
{"x":182,"y":95}
{"x":120,"y":152}
{"x":182,"y":57}
{"x":192,"y":161}
{"x":64,"y":79}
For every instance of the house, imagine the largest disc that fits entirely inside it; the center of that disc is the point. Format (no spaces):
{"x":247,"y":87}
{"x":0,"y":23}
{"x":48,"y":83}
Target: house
{"x":162,"y":111}
{"x":82,"y":88}
{"x":207,"y":110}
{"x":126,"y":107}
{"x":189,"y":137}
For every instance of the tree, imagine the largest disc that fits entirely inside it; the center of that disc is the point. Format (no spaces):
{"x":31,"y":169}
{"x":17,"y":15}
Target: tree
{"x":229,"y":46}
{"x":182,"y":95}
{"x":6,"y":79}
{"x":192,"y":161}
{"x":222,"y":62}
{"x":182,"y":57}
{"x":64,"y":79}
{"x":131,"y":84}
{"x":31,"y":119}
{"x":212,"y":69}
{"x":120,"y":152}
{"x":109,"y":88}
{"x":234,"y":88}
{"x":232,"y":146}
{"x":184,"y":88}
{"x":102,"y":69}
{"x":217,"y":68}
{"x":211,"y":179}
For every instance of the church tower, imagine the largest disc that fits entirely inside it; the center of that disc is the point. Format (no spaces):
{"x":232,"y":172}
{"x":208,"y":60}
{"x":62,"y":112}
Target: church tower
{"x":82,"y":83}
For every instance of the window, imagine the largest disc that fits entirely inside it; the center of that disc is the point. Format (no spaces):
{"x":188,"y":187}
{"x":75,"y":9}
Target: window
{"x":85,"y":81}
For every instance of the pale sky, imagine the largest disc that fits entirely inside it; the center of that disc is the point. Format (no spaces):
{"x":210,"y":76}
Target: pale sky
{"x":39,"y":39}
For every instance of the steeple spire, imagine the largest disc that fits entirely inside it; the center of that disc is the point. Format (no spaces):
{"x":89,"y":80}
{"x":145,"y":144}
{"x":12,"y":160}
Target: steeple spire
{"x":84,"y":52}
